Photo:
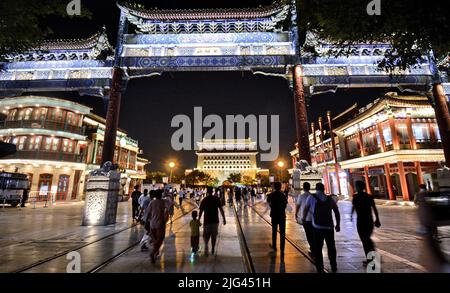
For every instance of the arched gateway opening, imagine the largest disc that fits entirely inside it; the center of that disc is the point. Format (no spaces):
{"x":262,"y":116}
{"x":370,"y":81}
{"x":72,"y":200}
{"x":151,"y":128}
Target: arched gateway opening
{"x":261,"y":40}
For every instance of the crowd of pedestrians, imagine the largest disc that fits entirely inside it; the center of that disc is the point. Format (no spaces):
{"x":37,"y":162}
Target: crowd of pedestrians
{"x":314,"y":211}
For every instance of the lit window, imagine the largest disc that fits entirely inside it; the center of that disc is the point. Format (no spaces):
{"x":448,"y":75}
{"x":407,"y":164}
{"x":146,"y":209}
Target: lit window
{"x":22,"y":142}
{"x":28,"y":114}
{"x":55,"y":144}
{"x":438,"y":134}
{"x":48,"y":142}
{"x":387,"y":136}
{"x":70,"y":118}
{"x":421,"y":132}
{"x":36,"y":114}
{"x":43,"y":113}
{"x":37,"y":142}
{"x":12,"y":114}
{"x":21,"y":113}
{"x":30,"y":143}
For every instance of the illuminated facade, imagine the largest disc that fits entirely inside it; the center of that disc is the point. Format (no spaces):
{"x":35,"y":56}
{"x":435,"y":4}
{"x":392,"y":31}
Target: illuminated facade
{"x":58,"y":143}
{"x":222,"y":157}
{"x":263,"y":40}
{"x":392,"y":144}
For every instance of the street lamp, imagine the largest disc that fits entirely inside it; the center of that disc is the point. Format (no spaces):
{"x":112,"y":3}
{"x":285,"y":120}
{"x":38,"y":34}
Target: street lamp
{"x":171,"y":166}
{"x":280,"y":165}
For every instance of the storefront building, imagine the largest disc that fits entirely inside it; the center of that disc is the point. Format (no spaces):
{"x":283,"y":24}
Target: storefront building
{"x":392,"y":144}
{"x":58,"y":143}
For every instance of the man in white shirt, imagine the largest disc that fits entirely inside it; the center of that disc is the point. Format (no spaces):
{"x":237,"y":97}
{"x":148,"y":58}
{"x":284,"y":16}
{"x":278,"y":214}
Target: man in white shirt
{"x":307,"y":225}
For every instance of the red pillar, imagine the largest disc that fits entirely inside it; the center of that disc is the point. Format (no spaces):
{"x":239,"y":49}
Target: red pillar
{"x":419,"y":172}
{"x":314,"y":150}
{"x":387,"y":173}
{"x":350,"y":182}
{"x":442,"y":119}
{"x":361,"y":145}
{"x":403,"y":182}
{"x":333,"y":146}
{"x":301,"y":116}
{"x":380,"y":133}
{"x":366,"y":177}
{"x":395,"y":140}
{"x":412,"y":139}
{"x":112,"y":116}
{"x":321,"y":155}
{"x":323,"y":158}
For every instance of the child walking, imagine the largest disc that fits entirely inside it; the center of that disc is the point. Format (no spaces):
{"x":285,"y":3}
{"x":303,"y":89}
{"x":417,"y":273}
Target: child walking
{"x":195,"y":232}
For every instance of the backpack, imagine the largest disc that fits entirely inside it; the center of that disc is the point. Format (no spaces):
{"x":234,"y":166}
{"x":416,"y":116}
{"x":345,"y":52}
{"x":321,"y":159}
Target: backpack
{"x":322,"y":212}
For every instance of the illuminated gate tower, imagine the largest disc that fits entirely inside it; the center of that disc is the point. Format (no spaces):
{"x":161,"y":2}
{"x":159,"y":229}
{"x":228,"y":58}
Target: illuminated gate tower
{"x":262,"y":40}
{"x":222,"y":157}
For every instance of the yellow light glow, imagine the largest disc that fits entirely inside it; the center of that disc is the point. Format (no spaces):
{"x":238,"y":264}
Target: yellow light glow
{"x":280,"y":164}
{"x":171,"y":164}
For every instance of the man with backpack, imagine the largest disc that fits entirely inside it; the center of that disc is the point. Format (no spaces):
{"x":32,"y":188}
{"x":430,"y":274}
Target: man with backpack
{"x":323,"y":226}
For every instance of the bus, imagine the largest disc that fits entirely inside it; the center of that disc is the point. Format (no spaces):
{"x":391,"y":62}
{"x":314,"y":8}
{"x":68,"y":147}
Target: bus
{"x":12,"y":187}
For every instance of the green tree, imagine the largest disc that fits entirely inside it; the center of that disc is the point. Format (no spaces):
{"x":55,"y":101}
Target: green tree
{"x":198,"y":177}
{"x":234,"y":177}
{"x":23,"y":23}
{"x":264,"y":179}
{"x":247,"y":180}
{"x":156,"y":175}
{"x":413,"y":27}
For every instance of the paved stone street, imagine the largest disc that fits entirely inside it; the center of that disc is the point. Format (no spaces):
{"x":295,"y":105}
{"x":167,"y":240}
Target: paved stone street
{"x":37,"y":240}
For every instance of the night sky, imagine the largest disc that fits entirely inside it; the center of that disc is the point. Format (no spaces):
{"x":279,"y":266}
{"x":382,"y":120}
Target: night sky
{"x":149,"y":104}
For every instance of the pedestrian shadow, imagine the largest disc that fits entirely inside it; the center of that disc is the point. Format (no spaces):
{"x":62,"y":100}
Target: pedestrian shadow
{"x":273,"y":263}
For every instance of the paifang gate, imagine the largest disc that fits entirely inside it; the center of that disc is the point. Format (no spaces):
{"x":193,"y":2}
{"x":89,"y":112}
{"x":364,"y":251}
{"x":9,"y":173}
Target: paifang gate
{"x":262,"y":40}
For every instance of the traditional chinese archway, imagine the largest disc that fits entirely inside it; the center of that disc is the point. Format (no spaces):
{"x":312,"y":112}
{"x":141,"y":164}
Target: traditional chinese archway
{"x":262,"y":40}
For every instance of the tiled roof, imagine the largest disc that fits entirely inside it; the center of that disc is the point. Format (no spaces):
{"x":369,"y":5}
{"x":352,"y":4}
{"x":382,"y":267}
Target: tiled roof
{"x":203,"y":14}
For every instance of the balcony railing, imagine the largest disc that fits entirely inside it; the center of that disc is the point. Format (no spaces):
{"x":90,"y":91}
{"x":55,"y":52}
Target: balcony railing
{"x":48,"y":156}
{"x":42,"y":124}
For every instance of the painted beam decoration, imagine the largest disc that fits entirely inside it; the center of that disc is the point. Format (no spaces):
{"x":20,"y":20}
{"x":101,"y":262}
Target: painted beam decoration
{"x":324,"y":72}
{"x":262,"y":40}
{"x":60,"y":65}
{"x":208,"y":39}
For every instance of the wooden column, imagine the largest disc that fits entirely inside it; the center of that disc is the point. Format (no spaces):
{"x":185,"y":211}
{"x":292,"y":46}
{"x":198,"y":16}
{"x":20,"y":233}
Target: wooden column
{"x":431,"y":129}
{"x":333,"y":146}
{"x":301,"y":117}
{"x":313,"y":131}
{"x":403,"y":182}
{"x":112,"y":116}
{"x":442,"y":119}
{"x":412,"y":139}
{"x":367,"y":179}
{"x":387,"y":174}
{"x":350,"y":182}
{"x":395,"y":141}
{"x":322,"y":156}
{"x":360,"y":142}
{"x":380,"y":133}
{"x":419,"y":172}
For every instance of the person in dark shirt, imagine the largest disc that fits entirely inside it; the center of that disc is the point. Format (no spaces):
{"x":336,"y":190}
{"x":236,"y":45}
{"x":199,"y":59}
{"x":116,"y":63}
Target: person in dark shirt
{"x":278,"y":201}
{"x":210,"y":206}
{"x":363,"y":204}
{"x":135,"y":202}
